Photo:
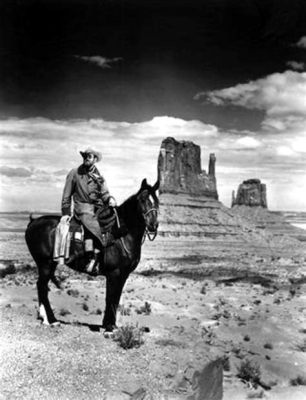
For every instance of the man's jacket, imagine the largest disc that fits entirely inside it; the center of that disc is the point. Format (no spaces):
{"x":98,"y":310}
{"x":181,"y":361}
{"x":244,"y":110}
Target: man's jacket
{"x":88,"y":191}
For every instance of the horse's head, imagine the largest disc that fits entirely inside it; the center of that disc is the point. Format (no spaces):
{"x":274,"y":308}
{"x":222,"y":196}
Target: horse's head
{"x":148,"y":205}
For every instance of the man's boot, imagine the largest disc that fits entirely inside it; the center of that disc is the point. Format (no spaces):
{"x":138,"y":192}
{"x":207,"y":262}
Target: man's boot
{"x":92,"y":267}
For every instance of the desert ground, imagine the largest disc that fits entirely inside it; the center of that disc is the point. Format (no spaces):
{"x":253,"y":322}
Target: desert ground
{"x":190,"y":302}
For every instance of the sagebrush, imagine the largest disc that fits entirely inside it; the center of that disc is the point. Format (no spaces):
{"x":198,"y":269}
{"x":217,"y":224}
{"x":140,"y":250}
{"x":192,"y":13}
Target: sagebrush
{"x":129,"y":336}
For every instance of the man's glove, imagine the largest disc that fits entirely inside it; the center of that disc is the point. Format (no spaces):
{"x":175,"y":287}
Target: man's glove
{"x":65,"y":219}
{"x":112,"y":202}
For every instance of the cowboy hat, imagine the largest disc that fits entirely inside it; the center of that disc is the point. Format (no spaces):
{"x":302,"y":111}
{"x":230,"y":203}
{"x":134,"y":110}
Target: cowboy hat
{"x":89,"y":150}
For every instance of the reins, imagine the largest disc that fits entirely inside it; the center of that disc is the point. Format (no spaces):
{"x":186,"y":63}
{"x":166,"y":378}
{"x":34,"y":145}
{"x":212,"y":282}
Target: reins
{"x":147,"y":234}
{"x":121,"y":238}
{"x":150,"y":235}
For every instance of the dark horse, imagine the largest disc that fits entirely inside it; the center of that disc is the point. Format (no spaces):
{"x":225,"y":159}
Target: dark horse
{"x":139,"y":214}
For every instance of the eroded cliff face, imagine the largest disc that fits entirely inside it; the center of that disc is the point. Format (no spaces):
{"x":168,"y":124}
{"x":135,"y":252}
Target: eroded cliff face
{"x":251,"y":193}
{"x":189,"y":206}
{"x":179,"y":170}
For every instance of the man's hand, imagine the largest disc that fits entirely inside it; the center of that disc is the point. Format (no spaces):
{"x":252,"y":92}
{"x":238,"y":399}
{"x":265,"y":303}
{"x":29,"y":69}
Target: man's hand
{"x":65,"y":219}
{"x":112,"y":202}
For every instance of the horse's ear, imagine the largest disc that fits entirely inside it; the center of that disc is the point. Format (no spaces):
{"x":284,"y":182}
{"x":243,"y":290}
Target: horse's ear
{"x":144,"y":184}
{"x":156,"y":186}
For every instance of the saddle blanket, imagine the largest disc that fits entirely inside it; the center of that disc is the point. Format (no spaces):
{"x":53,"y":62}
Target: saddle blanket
{"x":65,"y":233}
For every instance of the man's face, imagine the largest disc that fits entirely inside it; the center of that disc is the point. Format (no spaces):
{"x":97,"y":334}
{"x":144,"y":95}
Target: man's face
{"x":89,"y":160}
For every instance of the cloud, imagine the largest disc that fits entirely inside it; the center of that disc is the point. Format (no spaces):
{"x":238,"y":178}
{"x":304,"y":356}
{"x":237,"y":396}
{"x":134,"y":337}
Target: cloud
{"x":279,"y":93}
{"x":301,"y":42}
{"x":44,"y":150}
{"x":282,"y":97}
{"x":100,"y":61}
{"x":298,"y":66}
{"x":15,"y":172}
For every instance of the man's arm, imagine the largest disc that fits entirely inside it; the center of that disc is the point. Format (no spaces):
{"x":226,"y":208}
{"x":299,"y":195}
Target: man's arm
{"x":67,"y":193}
{"x":104,"y":192}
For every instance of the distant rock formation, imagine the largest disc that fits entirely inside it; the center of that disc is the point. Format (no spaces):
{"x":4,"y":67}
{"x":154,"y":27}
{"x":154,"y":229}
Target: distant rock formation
{"x":250,"y":193}
{"x":179,"y":170}
{"x":190,"y":209}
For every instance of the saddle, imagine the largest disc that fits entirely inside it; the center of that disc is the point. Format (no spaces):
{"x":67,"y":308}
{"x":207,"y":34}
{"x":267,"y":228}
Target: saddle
{"x":75,"y":245}
{"x":110,"y":231}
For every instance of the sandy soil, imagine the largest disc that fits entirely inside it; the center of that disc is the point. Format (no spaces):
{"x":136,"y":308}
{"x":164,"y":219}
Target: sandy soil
{"x":212,"y":301}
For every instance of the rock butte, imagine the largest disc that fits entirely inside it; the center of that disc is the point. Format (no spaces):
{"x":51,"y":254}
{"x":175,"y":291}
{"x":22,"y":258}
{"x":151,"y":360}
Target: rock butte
{"x":189,"y":205}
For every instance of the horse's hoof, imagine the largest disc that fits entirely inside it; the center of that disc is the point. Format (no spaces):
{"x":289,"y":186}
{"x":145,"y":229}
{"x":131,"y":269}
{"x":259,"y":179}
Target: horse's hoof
{"x":108,"y":335}
{"x":55,"y":323}
{"x":52,"y":325}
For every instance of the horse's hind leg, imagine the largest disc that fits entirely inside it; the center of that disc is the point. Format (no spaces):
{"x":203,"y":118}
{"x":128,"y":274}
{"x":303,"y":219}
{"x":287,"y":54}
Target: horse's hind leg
{"x":45,"y":273}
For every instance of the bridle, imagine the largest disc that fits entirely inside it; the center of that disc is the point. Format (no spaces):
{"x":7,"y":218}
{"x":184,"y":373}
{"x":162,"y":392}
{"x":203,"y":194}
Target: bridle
{"x":151,"y":235}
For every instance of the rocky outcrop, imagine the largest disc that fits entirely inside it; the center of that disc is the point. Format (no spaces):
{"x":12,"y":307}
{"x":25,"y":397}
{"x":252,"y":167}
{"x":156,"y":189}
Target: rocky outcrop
{"x":251,"y":204}
{"x":189,"y":206}
{"x":251,"y":193}
{"x":179,"y":170}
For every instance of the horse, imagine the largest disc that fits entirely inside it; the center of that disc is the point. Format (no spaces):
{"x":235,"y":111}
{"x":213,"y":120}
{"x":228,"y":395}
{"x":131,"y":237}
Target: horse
{"x":139,"y":214}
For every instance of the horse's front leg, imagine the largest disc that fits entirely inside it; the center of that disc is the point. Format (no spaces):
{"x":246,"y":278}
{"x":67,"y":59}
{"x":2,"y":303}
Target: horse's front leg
{"x":115,"y":281}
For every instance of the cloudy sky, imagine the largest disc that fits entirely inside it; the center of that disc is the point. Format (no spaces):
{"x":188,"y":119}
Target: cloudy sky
{"x":122,"y":75}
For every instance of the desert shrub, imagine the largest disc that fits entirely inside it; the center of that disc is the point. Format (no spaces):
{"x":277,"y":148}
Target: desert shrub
{"x":203,"y":290}
{"x":73,"y":292}
{"x":249,"y":371}
{"x":129,"y":336}
{"x":124,"y":310}
{"x":301,"y":346}
{"x":236,"y":350}
{"x":298,"y":381}
{"x":226,"y":314}
{"x":302,"y":330}
{"x":222,"y":301}
{"x":85,"y":306}
{"x":226,"y":363}
{"x":9,"y":269}
{"x":98,"y":311}
{"x":268,"y":346}
{"x":64,"y":311}
{"x":246,"y":338}
{"x":145,"y":309}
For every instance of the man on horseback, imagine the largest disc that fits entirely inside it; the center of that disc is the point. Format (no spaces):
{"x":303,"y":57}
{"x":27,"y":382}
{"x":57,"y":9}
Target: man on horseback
{"x":88,"y":190}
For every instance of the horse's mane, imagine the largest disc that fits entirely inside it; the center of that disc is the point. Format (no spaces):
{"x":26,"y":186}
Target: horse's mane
{"x":128,"y":210}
